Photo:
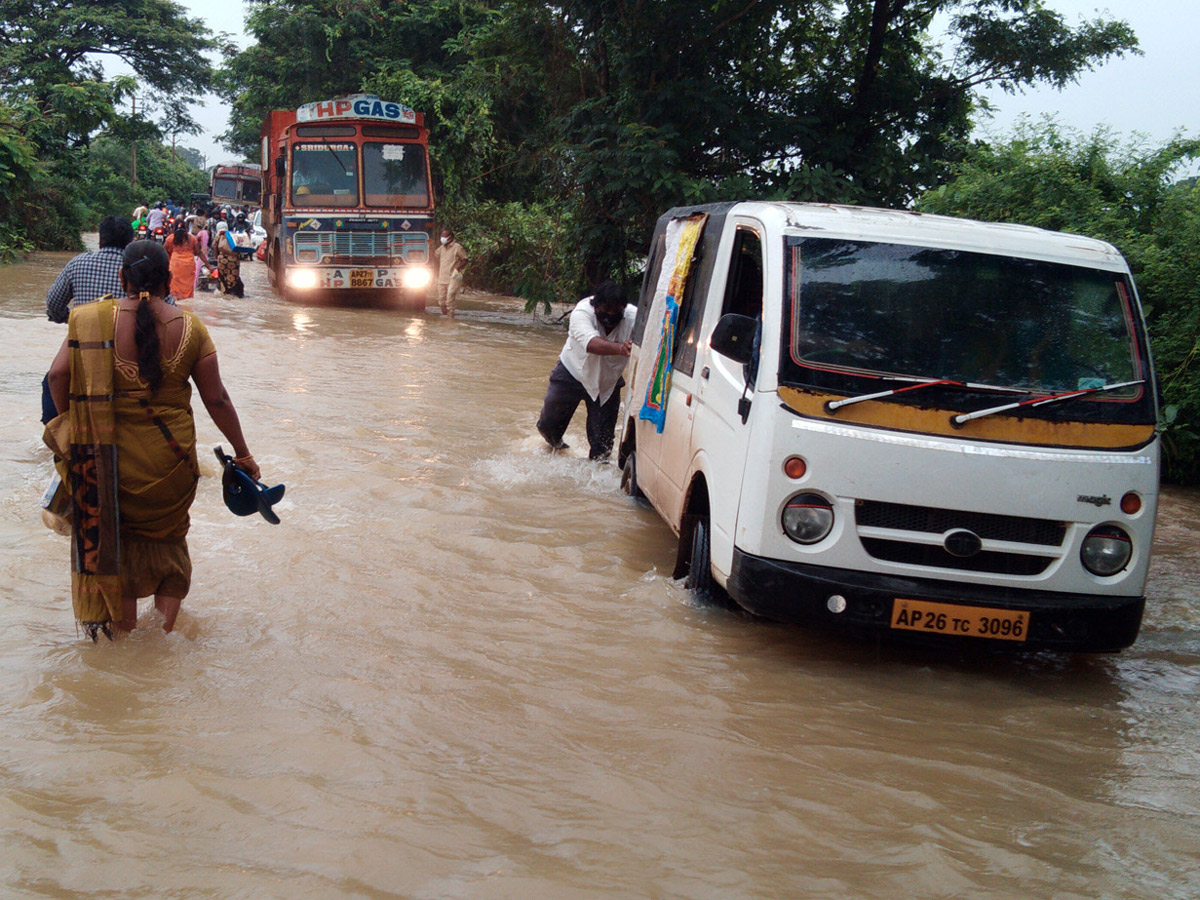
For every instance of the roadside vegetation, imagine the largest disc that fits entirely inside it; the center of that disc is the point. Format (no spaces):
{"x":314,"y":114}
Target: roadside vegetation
{"x":67,"y":131}
{"x":559,"y":132}
{"x":1126,"y":193}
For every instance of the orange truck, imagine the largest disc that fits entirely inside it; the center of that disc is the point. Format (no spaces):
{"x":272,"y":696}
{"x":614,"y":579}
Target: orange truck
{"x":348,"y":203}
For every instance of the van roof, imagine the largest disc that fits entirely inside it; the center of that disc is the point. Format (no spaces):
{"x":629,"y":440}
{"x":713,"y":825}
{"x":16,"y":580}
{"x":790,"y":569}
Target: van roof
{"x":926,"y":229}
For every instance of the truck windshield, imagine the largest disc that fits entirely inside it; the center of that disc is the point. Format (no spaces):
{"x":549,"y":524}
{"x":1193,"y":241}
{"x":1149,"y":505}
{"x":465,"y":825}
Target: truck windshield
{"x":859,"y":308}
{"x":224,"y":189}
{"x":394,"y":175}
{"x":325,"y":174}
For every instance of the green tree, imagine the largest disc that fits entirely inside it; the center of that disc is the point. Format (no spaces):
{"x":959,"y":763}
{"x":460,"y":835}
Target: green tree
{"x":52,"y":81}
{"x":54,"y":42}
{"x":19,"y":171}
{"x":162,"y":174}
{"x":1127,"y":195}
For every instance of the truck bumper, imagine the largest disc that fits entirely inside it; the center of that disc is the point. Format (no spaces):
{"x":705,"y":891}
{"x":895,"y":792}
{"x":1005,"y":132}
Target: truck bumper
{"x":792,"y":592}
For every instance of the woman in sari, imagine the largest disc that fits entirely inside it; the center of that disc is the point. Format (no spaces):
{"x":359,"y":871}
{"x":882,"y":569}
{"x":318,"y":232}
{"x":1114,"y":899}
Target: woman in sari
{"x":229,"y":265}
{"x":121,"y":385}
{"x":181,"y":247}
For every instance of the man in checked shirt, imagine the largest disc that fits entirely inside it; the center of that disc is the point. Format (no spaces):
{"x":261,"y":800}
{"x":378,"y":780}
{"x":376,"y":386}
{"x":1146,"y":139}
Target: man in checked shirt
{"x":87,"y":277}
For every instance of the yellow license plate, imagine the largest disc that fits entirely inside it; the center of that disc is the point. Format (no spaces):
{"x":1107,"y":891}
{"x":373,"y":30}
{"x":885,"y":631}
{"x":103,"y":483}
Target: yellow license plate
{"x":362,"y":278}
{"x":964,"y":621}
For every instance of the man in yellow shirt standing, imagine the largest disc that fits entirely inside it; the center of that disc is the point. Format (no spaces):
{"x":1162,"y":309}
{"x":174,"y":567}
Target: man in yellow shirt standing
{"x":451,"y":259}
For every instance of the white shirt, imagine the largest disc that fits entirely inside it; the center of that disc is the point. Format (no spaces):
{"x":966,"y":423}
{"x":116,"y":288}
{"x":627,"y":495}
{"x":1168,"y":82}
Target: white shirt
{"x":598,"y":374}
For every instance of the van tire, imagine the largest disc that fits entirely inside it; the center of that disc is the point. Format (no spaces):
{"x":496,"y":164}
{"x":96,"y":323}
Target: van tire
{"x":699,"y":578}
{"x":629,"y":483}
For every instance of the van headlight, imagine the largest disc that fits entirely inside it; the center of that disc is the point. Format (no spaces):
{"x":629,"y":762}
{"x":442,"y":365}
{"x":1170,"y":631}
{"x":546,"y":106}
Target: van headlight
{"x":417,"y":277}
{"x":1106,"y":550}
{"x":302,"y":278}
{"x":808,"y":518}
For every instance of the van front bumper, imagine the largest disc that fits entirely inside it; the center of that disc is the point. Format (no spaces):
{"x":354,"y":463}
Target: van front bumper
{"x":792,"y":592}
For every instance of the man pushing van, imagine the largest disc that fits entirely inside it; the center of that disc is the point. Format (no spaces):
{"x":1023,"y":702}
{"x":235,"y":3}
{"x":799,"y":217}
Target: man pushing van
{"x":589,"y":369}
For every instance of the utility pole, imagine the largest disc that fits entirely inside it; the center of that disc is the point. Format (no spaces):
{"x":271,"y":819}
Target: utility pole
{"x":134,"y":141}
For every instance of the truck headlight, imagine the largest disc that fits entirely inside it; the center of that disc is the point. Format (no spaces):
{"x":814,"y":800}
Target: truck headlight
{"x":808,"y":518}
{"x":1106,"y":550}
{"x":417,"y":277}
{"x":302,"y":278}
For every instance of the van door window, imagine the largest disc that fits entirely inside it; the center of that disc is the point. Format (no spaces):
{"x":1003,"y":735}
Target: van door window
{"x":691,"y":311}
{"x":744,"y":287}
{"x":649,"y":285}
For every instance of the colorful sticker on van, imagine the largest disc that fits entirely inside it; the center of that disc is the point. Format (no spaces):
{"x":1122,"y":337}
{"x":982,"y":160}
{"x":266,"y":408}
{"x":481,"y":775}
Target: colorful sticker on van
{"x":681,"y":239}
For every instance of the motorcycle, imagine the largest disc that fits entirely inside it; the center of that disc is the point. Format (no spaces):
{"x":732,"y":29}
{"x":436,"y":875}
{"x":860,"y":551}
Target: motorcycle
{"x":208,"y":277}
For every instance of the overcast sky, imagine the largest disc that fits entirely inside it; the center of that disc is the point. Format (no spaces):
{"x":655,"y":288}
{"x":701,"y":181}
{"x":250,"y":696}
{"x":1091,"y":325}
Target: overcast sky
{"x":1155,"y":94}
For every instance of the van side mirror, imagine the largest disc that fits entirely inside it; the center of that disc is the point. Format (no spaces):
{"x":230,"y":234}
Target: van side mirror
{"x":734,"y":337}
{"x":280,"y":167}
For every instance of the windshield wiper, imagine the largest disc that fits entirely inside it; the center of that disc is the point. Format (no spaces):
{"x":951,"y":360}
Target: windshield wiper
{"x":325,"y":141}
{"x":833,"y":406}
{"x":961,"y":419}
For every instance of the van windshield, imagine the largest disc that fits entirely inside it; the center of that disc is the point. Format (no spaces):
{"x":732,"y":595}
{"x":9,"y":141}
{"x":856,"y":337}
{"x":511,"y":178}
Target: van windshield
{"x":859,"y":308}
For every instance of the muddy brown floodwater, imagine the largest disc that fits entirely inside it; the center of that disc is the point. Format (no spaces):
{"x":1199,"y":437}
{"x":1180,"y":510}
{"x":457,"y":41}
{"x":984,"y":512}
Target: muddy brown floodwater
{"x":459,"y":669}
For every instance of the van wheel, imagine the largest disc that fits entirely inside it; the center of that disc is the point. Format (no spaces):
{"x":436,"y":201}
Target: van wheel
{"x":629,"y":482}
{"x":699,"y":574}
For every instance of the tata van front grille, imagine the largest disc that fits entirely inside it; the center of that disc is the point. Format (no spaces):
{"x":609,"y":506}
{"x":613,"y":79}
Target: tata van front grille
{"x":900,"y":517}
{"x":958,"y":539}
{"x":990,"y":561}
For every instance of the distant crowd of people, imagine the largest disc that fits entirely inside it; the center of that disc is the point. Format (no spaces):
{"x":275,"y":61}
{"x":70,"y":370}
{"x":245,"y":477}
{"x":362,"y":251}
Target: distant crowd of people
{"x":211,"y":237}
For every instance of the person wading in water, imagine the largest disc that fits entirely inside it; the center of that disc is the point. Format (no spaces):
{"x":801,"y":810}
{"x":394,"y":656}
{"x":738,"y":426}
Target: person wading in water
{"x":122,"y":383}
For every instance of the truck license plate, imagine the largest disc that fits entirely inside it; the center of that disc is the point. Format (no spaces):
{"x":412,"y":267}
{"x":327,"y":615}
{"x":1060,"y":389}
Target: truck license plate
{"x":965,"y":621}
{"x":362,"y":278}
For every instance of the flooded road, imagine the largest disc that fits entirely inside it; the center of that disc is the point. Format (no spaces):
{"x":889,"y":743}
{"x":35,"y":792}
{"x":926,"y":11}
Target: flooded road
{"x":459,"y":669}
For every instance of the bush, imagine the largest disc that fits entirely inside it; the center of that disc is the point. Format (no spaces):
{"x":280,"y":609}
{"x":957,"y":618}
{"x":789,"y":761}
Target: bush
{"x":520,"y":249}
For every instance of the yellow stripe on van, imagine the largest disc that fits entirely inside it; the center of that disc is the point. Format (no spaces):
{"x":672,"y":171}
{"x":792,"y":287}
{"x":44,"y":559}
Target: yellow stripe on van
{"x":1008,"y":429}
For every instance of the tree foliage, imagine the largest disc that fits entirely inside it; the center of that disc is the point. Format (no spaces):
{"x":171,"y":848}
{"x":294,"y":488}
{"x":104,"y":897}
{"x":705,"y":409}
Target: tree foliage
{"x":605,"y":112}
{"x":55,"y":98}
{"x":1127,"y":195}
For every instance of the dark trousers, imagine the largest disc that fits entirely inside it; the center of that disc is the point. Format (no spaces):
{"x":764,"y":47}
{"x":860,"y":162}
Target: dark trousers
{"x":49,"y":410}
{"x":563,"y":396}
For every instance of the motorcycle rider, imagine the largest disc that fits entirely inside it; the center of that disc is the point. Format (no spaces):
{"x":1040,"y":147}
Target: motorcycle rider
{"x":157,"y":218}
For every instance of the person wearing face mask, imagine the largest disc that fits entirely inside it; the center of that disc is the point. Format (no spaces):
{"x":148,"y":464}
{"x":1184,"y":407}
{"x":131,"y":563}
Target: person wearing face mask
{"x":589,"y":369}
{"x":451,"y":259}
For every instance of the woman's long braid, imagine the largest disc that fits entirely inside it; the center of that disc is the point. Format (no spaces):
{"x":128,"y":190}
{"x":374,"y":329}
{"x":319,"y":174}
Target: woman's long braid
{"x":146,"y":268}
{"x":149,"y":347}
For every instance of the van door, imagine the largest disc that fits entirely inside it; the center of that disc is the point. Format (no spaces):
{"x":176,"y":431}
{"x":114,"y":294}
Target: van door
{"x":724,"y":391}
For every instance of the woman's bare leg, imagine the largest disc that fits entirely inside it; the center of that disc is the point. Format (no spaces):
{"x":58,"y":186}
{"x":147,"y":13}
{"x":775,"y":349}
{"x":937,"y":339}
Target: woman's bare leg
{"x":128,"y":620}
{"x":169,"y":607}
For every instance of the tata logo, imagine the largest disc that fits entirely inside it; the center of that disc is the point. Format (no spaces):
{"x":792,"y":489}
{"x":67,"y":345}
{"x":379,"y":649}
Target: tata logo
{"x":1103,"y":500}
{"x":962,"y":543}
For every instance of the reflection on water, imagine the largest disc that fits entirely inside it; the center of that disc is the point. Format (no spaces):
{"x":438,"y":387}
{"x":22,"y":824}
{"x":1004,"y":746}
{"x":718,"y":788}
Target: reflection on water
{"x":458,"y":669}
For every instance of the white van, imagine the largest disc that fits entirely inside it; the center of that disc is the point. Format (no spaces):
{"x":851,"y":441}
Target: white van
{"x":898,"y":423}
